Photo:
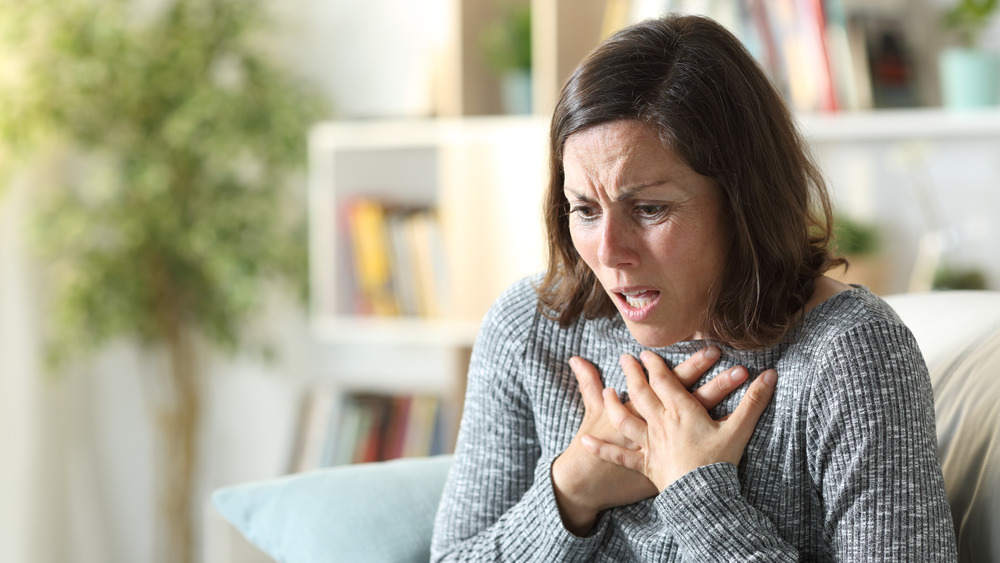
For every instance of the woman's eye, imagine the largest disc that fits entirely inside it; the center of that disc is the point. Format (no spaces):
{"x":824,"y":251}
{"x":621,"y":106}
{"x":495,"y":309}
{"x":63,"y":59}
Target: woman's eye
{"x":650,"y":211}
{"x":583,"y":211}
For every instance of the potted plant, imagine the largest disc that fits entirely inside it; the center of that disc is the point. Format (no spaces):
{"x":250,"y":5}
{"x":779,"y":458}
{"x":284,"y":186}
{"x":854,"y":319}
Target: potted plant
{"x":970,"y":76}
{"x":860,"y":243}
{"x":507,"y":48}
{"x":950,"y":277}
{"x":170,"y":215}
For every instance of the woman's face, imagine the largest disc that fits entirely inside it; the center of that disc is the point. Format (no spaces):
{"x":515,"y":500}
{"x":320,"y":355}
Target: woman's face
{"x":647,"y":225}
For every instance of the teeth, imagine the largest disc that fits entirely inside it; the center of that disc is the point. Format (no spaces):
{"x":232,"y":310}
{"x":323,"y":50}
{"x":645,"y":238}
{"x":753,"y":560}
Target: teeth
{"x":633,"y":299}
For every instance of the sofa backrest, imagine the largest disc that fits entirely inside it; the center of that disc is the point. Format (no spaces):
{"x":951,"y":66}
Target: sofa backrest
{"x":959,"y":335}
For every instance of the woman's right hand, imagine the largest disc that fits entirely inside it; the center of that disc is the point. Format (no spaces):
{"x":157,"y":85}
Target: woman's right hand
{"x":585,"y":484}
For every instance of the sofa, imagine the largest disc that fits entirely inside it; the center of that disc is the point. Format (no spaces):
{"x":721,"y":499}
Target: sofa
{"x":385,"y":511}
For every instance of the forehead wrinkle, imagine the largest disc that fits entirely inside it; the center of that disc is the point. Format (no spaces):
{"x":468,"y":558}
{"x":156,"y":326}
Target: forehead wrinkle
{"x":607,"y":167}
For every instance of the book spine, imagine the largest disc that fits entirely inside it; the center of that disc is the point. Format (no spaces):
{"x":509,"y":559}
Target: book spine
{"x":369,"y":242}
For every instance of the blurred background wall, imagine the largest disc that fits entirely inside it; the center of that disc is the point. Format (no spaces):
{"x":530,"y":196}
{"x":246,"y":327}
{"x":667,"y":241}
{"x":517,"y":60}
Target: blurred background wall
{"x":76,"y":476}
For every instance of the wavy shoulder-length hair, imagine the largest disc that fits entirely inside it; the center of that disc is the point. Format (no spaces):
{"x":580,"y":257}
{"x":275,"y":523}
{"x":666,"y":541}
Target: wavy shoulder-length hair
{"x":713,"y":106}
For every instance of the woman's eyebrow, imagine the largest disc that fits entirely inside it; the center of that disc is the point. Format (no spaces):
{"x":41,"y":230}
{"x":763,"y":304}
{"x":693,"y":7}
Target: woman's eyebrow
{"x":577,"y":195}
{"x":626,"y":194}
{"x":632,"y":191}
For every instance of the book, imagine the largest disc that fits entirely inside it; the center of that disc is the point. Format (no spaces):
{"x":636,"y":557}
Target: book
{"x":370,"y":250}
{"x":813,"y":23}
{"x":805,"y":48}
{"x":399,"y":260}
{"x":403,"y":266}
{"x":850,"y":80}
{"x":430,"y":276}
{"x":420,"y":427}
{"x":394,"y":444}
{"x":858,"y":46}
{"x":891,"y":66}
{"x":345,"y":433}
{"x":368,"y":427}
{"x":317,"y":410}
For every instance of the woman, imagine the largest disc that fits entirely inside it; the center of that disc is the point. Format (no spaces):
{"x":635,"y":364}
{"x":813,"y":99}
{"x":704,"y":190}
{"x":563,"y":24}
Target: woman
{"x":684,"y":383}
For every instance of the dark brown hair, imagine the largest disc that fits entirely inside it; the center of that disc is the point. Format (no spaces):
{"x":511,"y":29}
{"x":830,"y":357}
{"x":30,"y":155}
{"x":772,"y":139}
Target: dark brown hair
{"x":713,"y":105}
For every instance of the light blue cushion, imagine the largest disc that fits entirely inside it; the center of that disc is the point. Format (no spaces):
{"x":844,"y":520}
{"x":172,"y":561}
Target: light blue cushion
{"x":369,"y":512}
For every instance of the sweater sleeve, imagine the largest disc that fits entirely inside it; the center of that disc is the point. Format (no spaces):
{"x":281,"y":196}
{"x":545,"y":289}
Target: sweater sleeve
{"x":711,"y":521}
{"x":873,"y":460}
{"x":871,"y":429}
{"x":498,"y":502}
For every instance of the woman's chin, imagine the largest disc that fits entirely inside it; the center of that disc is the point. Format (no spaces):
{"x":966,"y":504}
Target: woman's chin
{"x":659,"y":336}
{"x":651,"y":337}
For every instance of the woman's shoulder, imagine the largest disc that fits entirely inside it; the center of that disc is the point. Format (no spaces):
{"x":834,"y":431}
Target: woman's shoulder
{"x":847,"y":310}
{"x":516,"y":303}
{"x":855,"y":325}
{"x":518,"y":315}
{"x":516,"y":312}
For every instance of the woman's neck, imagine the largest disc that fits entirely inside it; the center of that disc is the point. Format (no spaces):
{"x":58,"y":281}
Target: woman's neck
{"x":824,"y":289}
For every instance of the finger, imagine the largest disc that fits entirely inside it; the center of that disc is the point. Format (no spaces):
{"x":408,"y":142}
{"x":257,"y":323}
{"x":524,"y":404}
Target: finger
{"x":712,"y":393}
{"x":662,"y":381}
{"x":632,"y":427}
{"x":612,"y":453}
{"x":691,"y":369}
{"x":647,"y":404}
{"x":589,"y":381}
{"x":630,"y":405}
{"x":743,"y":420}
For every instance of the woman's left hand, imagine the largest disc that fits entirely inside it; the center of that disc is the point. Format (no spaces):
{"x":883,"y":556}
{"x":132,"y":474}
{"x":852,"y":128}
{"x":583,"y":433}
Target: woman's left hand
{"x":673,"y":430}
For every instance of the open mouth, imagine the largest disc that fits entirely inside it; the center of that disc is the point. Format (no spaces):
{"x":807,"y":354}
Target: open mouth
{"x":637,"y":305}
{"x":639,"y":299}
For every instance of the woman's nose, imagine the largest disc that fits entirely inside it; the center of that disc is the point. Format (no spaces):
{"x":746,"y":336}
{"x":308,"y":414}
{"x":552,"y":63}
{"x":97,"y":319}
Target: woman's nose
{"x":616,"y":248}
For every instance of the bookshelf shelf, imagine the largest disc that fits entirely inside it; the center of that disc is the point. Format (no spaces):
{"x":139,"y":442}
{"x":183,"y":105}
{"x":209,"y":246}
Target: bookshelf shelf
{"x":396,"y":331}
{"x":911,"y":124}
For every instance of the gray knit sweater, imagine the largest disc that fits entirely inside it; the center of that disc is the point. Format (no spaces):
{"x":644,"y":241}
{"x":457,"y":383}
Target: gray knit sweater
{"x":842,"y":466}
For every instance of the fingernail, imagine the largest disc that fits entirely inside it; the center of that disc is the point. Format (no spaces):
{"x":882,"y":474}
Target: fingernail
{"x":712,"y":353}
{"x":770,"y":377}
{"x":737,"y":374}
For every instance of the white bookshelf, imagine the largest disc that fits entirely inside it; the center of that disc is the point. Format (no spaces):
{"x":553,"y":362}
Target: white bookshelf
{"x":484,"y":177}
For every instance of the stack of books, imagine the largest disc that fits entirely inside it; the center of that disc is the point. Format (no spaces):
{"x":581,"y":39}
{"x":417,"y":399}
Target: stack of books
{"x":361,"y":428}
{"x":397,"y":256}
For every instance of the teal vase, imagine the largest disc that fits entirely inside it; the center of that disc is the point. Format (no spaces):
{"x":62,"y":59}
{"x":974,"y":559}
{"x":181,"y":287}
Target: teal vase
{"x":969,"y":78}
{"x":515,"y":87}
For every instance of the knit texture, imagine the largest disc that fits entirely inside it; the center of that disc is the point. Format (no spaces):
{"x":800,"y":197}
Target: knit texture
{"x":842,"y":466}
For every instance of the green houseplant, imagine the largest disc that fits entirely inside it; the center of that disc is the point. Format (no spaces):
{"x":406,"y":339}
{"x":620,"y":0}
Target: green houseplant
{"x":507,"y":50}
{"x":968,"y":18}
{"x":855,"y":238}
{"x":164,"y":214}
{"x":950,"y":277}
{"x":970,"y":76}
{"x":860,"y":243}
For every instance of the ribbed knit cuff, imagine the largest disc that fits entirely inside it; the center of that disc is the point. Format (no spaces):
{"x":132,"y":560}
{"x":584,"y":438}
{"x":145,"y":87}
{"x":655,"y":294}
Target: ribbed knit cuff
{"x":561,"y":544}
{"x":693,"y":506}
